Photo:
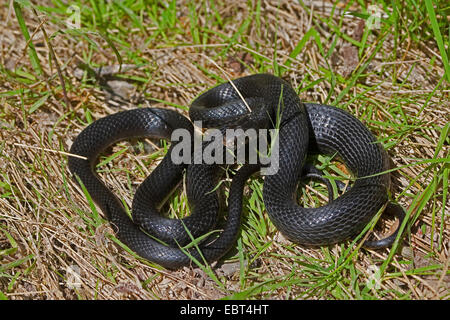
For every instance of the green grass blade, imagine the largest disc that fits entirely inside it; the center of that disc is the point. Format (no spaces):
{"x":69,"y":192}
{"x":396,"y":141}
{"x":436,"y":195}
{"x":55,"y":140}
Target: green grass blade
{"x":131,"y":14}
{"x":438,"y":36}
{"x":31,"y":49}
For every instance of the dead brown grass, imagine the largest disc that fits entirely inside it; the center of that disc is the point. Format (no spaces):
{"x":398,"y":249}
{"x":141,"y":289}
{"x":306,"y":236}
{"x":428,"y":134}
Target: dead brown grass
{"x":47,"y":215}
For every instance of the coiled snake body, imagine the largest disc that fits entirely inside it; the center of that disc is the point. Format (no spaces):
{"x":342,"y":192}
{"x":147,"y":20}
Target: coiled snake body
{"x":302,"y":127}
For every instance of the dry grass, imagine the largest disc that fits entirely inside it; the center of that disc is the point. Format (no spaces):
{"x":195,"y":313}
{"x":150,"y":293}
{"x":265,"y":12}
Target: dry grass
{"x":393,"y":82}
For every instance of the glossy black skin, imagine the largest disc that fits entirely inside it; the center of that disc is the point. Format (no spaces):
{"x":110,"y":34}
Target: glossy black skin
{"x":303,"y":128}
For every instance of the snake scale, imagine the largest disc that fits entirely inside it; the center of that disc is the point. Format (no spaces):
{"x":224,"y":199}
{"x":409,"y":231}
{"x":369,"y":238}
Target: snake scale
{"x":256,"y":101}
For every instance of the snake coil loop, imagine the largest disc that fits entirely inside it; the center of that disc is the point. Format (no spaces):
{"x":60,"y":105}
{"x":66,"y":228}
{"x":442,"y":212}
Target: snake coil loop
{"x":303,"y":128}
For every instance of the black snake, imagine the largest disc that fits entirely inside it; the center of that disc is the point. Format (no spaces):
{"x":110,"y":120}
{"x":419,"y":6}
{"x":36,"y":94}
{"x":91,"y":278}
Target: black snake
{"x":303,"y":128}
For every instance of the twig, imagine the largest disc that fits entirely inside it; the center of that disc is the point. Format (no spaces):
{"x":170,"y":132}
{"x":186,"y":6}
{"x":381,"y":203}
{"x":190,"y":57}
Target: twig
{"x":229,"y":80}
{"x":50,"y":150}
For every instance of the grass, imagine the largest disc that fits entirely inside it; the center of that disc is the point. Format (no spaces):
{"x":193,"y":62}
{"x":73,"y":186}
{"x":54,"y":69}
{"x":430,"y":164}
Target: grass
{"x":394,"y":77}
